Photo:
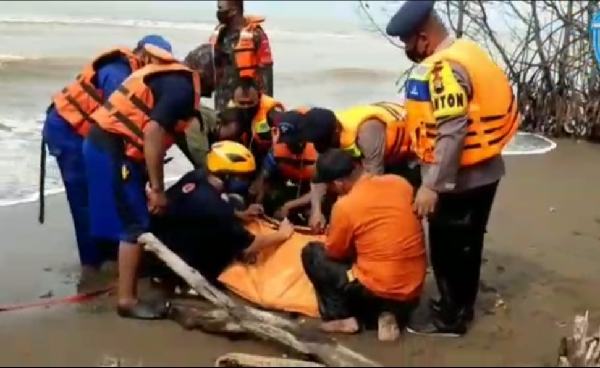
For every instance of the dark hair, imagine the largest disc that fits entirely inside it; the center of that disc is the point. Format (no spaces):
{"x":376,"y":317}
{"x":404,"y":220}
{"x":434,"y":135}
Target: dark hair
{"x":246,"y":84}
{"x":334,"y":164}
{"x":204,"y":57}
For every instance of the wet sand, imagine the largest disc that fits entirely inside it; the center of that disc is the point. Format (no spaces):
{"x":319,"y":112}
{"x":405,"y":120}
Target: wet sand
{"x":542,"y":252}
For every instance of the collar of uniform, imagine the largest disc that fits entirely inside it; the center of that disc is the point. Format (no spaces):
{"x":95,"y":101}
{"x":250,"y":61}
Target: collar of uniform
{"x":449,"y":40}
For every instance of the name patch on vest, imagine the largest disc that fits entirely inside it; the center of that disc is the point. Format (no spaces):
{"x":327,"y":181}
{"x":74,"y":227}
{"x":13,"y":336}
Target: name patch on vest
{"x":448,"y":98}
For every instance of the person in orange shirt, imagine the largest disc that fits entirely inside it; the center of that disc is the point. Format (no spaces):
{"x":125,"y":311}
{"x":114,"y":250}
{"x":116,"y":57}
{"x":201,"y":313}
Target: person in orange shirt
{"x":373,"y":262}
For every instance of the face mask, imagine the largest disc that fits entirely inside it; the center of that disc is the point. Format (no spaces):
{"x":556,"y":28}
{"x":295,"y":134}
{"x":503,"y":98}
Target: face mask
{"x":247,"y":114}
{"x":414,"y":55}
{"x":223,"y":16}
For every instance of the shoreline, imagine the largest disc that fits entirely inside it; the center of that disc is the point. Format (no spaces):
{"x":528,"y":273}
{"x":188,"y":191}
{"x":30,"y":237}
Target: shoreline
{"x":541,"y":259}
{"x":34,"y":197}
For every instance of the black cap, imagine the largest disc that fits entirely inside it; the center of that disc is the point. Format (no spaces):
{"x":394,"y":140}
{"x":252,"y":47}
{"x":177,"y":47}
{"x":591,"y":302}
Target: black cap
{"x":409,"y":18}
{"x":333,"y":165}
{"x":289,"y":123}
{"x":319,"y":125}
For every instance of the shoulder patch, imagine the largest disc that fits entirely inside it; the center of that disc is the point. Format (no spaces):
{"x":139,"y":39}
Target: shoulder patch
{"x":448,"y":98}
{"x":416,"y":87}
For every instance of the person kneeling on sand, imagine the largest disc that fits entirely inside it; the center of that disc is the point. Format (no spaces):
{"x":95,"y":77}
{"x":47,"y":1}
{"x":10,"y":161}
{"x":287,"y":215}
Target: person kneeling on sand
{"x":373,"y":261}
{"x":203,"y":225}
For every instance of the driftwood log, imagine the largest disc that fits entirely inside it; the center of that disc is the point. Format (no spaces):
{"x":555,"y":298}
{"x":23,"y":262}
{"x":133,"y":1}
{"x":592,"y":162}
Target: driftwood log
{"x":231,"y":318}
{"x":583,"y":348}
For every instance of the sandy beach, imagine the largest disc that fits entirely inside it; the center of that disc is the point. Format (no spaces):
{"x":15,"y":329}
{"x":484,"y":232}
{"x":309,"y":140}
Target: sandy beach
{"x":542,"y":255}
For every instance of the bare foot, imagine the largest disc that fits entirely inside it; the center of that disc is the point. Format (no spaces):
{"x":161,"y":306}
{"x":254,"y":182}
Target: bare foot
{"x":345,"y":326}
{"x":388,"y":327}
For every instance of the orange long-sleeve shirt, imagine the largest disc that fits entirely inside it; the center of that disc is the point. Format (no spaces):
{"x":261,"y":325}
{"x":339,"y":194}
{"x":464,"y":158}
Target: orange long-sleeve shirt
{"x":375,"y":222}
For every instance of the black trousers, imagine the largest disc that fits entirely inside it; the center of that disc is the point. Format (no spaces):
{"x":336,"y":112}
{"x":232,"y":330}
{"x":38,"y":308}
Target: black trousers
{"x":456,"y":234}
{"x":340,"y":298}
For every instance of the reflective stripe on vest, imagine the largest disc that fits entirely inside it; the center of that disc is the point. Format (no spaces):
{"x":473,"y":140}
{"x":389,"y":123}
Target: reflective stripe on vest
{"x":295,"y":167}
{"x":127,"y":112}
{"x":391,"y":114}
{"x":76,"y":102}
{"x":493,"y":116}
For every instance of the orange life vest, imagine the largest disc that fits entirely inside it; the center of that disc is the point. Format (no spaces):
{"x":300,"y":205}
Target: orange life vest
{"x":127,"y":111}
{"x":245,"y":52}
{"x":261,"y":131}
{"x":76,"y":102}
{"x":397,"y":141}
{"x":299,"y":168}
{"x":492,"y":110}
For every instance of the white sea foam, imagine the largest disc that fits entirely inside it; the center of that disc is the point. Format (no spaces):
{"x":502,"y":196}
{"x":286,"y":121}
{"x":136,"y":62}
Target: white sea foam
{"x":147,"y":23}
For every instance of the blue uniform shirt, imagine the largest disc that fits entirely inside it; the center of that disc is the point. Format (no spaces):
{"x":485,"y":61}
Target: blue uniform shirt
{"x":110,"y":76}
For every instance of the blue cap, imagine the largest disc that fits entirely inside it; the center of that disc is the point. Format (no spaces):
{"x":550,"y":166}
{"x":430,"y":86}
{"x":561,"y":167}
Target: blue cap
{"x":409,"y":18}
{"x":155,"y":40}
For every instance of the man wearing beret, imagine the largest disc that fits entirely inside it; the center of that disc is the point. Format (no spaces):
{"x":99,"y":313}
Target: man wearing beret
{"x":460,"y":113}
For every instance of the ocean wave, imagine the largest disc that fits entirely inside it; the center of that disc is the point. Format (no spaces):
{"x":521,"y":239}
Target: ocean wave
{"x":9,"y":57}
{"x":44,"y":65}
{"x":147,"y":23}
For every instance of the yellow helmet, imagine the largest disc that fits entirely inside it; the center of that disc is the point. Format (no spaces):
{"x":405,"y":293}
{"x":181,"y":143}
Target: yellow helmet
{"x":231,"y":158}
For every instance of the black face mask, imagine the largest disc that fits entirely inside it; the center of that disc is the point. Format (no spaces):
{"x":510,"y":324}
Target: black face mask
{"x":224,"y":16}
{"x":247,"y":114}
{"x":414,"y":55}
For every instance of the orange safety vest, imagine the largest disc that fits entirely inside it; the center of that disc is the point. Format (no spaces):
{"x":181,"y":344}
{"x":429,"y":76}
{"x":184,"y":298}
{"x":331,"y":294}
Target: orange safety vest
{"x":492,"y":110}
{"x":299,"y":168}
{"x":127,"y":112}
{"x":391,"y":114}
{"x":76,"y":102}
{"x":245,"y":52}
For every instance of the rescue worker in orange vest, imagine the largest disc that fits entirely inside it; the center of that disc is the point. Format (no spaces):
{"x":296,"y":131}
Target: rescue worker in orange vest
{"x":373,"y":134}
{"x":283,"y":184}
{"x":66,"y":125}
{"x":141,"y":120}
{"x":461,"y":112}
{"x":255,"y":111}
{"x":247,"y":47}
